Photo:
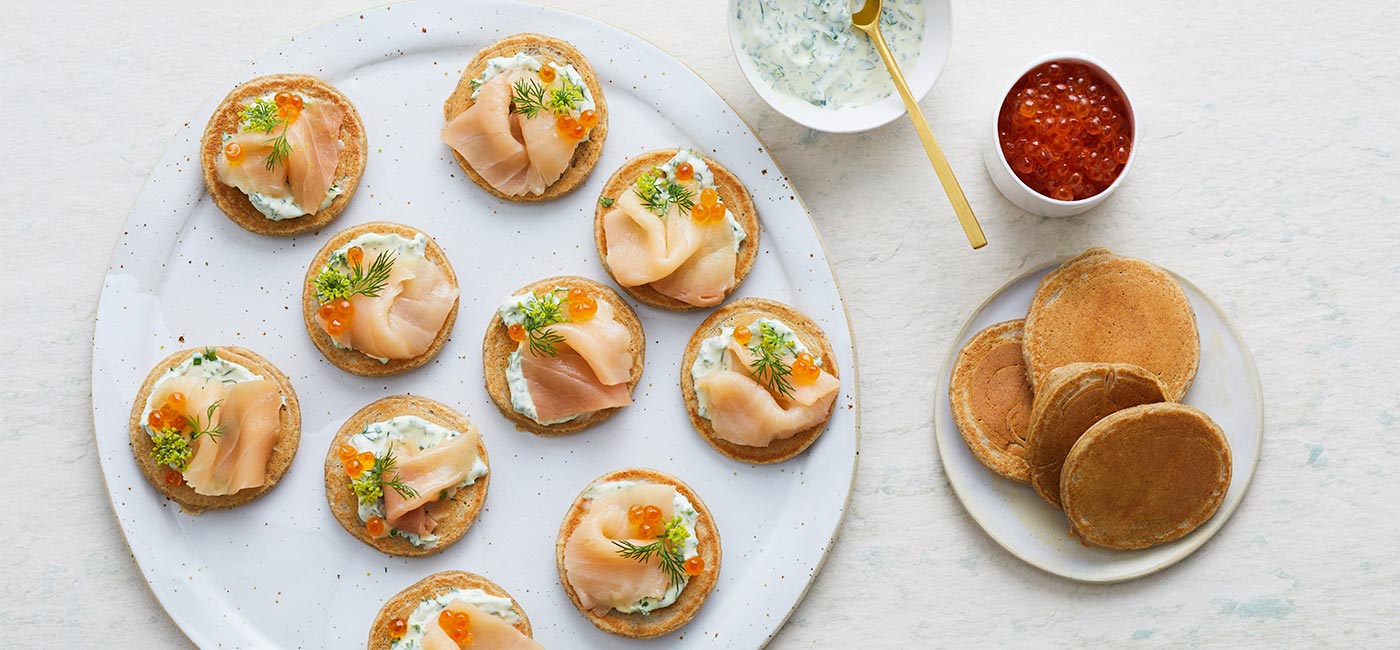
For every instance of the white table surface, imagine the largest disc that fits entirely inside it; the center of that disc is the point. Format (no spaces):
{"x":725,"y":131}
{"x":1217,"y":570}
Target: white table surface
{"x":1269,"y":174}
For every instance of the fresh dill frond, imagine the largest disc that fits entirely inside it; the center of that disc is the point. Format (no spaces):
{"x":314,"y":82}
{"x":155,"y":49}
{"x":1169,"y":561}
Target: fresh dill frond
{"x":199,"y":426}
{"x":527,"y":98}
{"x":566,"y":98}
{"x":333,"y":284}
{"x":280,"y":149}
{"x":666,"y":548}
{"x":768,"y":366}
{"x":170,"y":448}
{"x":658,"y":192}
{"x":369,"y":487}
{"x":541,"y":311}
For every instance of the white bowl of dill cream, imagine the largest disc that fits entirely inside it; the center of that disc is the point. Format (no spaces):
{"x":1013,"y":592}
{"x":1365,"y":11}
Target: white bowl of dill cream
{"x":805,"y":59}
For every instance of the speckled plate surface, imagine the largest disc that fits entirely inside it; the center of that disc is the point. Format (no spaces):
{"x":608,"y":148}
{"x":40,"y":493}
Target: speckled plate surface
{"x":1226,"y":388}
{"x":280,"y":572}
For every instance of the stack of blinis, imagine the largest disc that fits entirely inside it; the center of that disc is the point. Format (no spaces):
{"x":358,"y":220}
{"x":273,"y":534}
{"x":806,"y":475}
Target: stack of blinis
{"x":1081,"y":400}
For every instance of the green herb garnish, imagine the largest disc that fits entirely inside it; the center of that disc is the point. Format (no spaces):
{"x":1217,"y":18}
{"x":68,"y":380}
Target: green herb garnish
{"x":605,"y":202}
{"x":667,"y":548}
{"x":527,"y":98}
{"x":264,"y":116}
{"x":333,"y":284}
{"x":658,"y":192}
{"x":768,"y":366}
{"x":566,"y":98}
{"x":369,"y":487}
{"x":541,"y":311}
{"x":171,"y":448}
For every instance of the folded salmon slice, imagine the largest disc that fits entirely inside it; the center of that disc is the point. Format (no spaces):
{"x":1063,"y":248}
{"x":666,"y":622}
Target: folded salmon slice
{"x":404,"y":319}
{"x":708,"y":273}
{"x":565,"y":385}
{"x":237,"y":458}
{"x":745,"y":412}
{"x":603,"y":342}
{"x":488,"y":632}
{"x":315,"y":154}
{"x":644,"y":248}
{"x":603,"y":579}
{"x":248,"y":173}
{"x":514,"y":154}
{"x":429,"y":472}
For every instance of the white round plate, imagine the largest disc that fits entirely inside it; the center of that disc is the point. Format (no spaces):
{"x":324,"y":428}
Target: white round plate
{"x":280,"y":572}
{"x":1226,"y":388}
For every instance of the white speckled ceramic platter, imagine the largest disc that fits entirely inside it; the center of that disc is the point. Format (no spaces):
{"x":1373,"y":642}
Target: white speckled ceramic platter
{"x":1226,"y":388}
{"x":280,"y":572}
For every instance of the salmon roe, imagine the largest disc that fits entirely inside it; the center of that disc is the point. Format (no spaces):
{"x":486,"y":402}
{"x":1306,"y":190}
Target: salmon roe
{"x":743,"y":335}
{"x":173,"y":477}
{"x":516,"y":332}
{"x":397,"y":628}
{"x":694,"y":566}
{"x":346,"y":452}
{"x":1065,"y":131}
{"x":588,"y":118}
{"x":355,"y":255}
{"x":366,"y":458}
{"x":375,"y":526}
{"x":581,"y":306}
{"x":233,"y":151}
{"x":354,"y":467}
{"x":457,"y":625}
{"x":805,"y":370}
{"x":634,"y":515}
{"x":685,"y":172}
{"x":547,"y":73}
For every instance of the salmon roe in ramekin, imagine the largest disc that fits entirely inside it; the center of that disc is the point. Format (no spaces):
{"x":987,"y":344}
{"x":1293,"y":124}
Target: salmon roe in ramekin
{"x":1065,"y":131}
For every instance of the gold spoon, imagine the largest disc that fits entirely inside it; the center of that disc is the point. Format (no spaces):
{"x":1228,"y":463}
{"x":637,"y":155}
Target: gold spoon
{"x":868,"y":20}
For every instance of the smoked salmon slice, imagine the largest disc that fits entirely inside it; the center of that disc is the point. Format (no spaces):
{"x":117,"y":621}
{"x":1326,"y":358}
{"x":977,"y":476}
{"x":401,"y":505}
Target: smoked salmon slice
{"x":565,"y":385}
{"x":708,"y":274}
{"x":236,"y":459}
{"x":248,"y":173}
{"x":311,"y":165}
{"x":693,"y":263}
{"x":602,"y":342}
{"x":513,"y":153}
{"x":745,"y":412}
{"x":601,"y":578}
{"x":488,"y":632}
{"x":404,"y":319}
{"x":428,"y":472}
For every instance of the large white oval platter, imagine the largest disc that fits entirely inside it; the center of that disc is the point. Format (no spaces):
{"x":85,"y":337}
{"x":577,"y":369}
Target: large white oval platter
{"x":1226,"y":388}
{"x":280,"y":572}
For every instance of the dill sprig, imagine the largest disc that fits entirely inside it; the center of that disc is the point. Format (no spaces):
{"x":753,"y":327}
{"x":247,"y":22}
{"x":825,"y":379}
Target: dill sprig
{"x":333,"y":284}
{"x":527,"y":98}
{"x":264,"y":116}
{"x":369,"y":487}
{"x":768,"y":366}
{"x":199,"y":428}
{"x":566,"y":98}
{"x":667,"y":548}
{"x":606,"y":202}
{"x":171,"y":448}
{"x":659,"y":192}
{"x":541,"y":311}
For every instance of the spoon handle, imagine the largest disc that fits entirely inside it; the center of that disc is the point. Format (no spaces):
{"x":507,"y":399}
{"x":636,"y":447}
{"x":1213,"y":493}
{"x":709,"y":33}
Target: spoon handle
{"x":935,"y":155}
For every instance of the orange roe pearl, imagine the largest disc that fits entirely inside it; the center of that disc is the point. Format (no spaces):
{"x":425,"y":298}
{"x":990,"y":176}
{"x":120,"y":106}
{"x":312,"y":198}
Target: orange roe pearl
{"x":699,"y":214}
{"x":581,"y":306}
{"x":289,"y":112}
{"x":647,"y":530}
{"x":715,"y":213}
{"x":355,"y":255}
{"x":577,"y":131}
{"x":282,"y":98}
{"x":176,"y":401}
{"x":375,"y":526}
{"x":354,"y":468}
{"x":805,"y":370}
{"x":685,"y":172}
{"x":709,"y":197}
{"x":336,"y":327}
{"x":743,"y":335}
{"x":366,"y":458}
{"x":547,"y":73}
{"x":516,"y":332}
{"x":346,"y":452}
{"x":344,"y":309}
{"x":634,"y":515}
{"x":651,"y":515}
{"x":173,"y":477}
{"x":156,"y":419}
{"x":298,"y":102}
{"x":694,"y":566}
{"x":565,"y":123}
{"x":397,"y":628}
{"x":588,"y":118}
{"x":327,"y":311}
{"x":233,"y":151}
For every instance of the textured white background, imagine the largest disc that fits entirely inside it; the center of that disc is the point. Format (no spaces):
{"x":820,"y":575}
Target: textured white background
{"x":1267,"y":174}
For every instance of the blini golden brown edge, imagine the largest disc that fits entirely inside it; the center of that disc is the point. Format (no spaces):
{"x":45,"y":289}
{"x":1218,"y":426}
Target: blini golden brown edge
{"x":354,"y":361}
{"x":497,"y":347}
{"x":233,"y":202}
{"x":742,"y":312}
{"x":402,"y":604}
{"x":585,"y":155}
{"x":732,"y":193}
{"x":1000,"y":461}
{"x":467,"y":503}
{"x":687,"y":605}
{"x":277,"y":464}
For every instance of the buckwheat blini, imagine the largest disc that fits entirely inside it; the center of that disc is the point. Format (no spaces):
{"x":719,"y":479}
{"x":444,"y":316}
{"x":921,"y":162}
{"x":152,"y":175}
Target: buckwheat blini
{"x":991,"y":399}
{"x":452,"y":609}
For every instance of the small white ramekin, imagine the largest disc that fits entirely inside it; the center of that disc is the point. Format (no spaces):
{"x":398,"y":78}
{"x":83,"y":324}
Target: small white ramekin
{"x":1017,"y":191}
{"x":938,"y":27}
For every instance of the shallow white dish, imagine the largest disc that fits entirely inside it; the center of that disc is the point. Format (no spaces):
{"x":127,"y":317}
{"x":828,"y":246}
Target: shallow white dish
{"x":1226,"y":388}
{"x":938,"y":39}
{"x":280,"y":572}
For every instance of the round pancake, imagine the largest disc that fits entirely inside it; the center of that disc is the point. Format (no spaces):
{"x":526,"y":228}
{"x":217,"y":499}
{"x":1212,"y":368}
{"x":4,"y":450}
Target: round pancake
{"x":742,"y":313}
{"x":354,"y":361}
{"x":1108,"y":308}
{"x":404,"y":602}
{"x":453,"y":523}
{"x":350,"y":167}
{"x":666,"y":619}
{"x":551,"y":49}
{"x":497,"y":347}
{"x":991,"y":399}
{"x":1145,"y":476}
{"x":1073,"y":398}
{"x":277,"y":464}
{"x":731,"y":192}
